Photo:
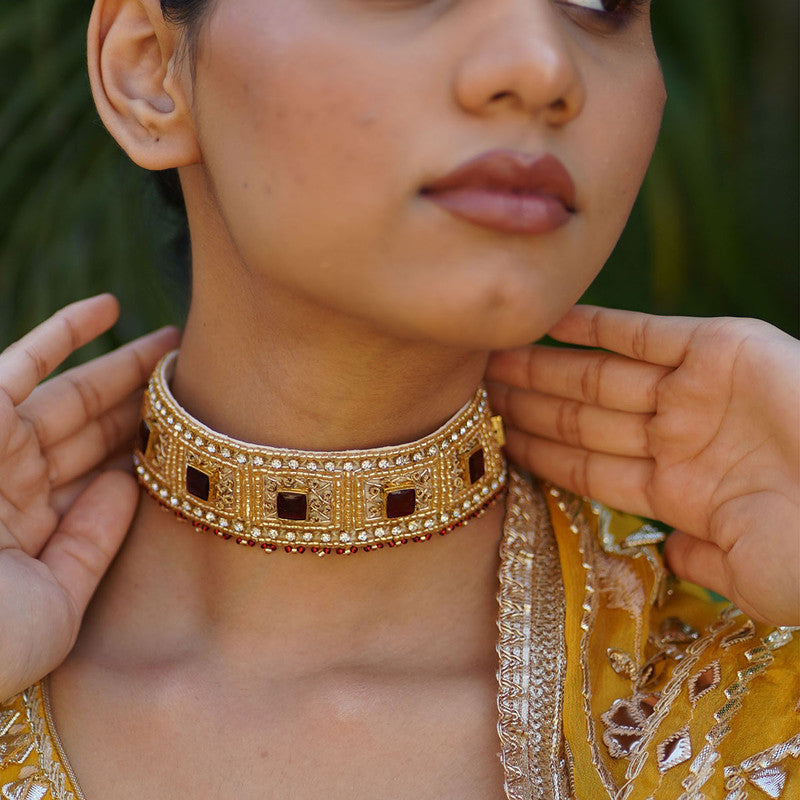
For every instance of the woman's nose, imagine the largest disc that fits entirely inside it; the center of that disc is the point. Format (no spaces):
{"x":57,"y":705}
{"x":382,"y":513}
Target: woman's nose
{"x":522,"y":58}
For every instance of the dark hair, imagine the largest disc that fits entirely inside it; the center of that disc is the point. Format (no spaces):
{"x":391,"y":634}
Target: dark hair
{"x":189,"y":15}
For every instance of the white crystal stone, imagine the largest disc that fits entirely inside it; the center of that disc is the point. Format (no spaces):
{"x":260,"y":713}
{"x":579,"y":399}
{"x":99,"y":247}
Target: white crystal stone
{"x":146,"y":476}
{"x":433,"y":450}
{"x":226,"y":453}
{"x":188,"y":436}
{"x":211,"y":449}
{"x":293,"y":463}
{"x":290,"y":536}
{"x":170,"y":419}
{"x":485,"y":491}
{"x":154,"y":486}
{"x":255,"y":531}
{"x":178,"y":427}
{"x":462,"y":430}
{"x":380,"y":532}
{"x":241,"y":458}
{"x":400,"y":460}
{"x":344,"y":537}
{"x":173,"y":501}
{"x":198,"y":512}
{"x":469,"y":423}
{"x":209,"y":516}
{"x":238,"y":527}
{"x":445,"y":444}
{"x":326,"y":537}
{"x":276,"y":463}
{"x":384,"y":463}
{"x":465,"y":505}
{"x":413,"y":526}
{"x":366,"y":465}
{"x":363,"y":536}
{"x":495,"y":485}
{"x":330,"y":466}
{"x":444,"y":517}
{"x":140,"y":470}
{"x":158,"y":405}
{"x":307,"y":537}
{"x":429,"y":523}
{"x":397,"y":530}
{"x":223,"y":523}
{"x":476,"y":498}
{"x":418,"y":456}
{"x":163,"y":493}
{"x":312,"y":465}
{"x":258,"y":461}
{"x":198,"y":441}
{"x":349,"y":466}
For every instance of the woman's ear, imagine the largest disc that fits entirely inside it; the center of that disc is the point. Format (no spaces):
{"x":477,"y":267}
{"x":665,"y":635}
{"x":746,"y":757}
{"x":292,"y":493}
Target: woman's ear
{"x":141,"y":87}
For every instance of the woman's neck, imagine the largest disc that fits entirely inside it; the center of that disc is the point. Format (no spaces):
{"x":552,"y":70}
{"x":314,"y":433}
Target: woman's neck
{"x":269,"y":371}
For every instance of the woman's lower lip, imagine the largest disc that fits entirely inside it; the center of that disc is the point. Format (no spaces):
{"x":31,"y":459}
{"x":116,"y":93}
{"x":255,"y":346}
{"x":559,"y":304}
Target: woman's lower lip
{"x":504,"y":211}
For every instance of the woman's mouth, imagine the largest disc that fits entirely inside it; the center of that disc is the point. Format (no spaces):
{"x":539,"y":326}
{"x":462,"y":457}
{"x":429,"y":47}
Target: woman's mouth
{"x":508,"y":191}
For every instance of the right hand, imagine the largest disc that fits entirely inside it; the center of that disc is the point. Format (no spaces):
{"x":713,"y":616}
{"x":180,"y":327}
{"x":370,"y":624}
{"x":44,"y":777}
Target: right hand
{"x":67,"y":493}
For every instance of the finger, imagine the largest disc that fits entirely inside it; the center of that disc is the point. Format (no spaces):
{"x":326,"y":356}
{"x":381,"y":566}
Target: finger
{"x":94,"y":443}
{"x":63,"y":405}
{"x":63,"y":498}
{"x":79,"y":552}
{"x":32,"y":358}
{"x":573,"y":423}
{"x":599,"y":378}
{"x":616,"y":481}
{"x":697,"y":561}
{"x":645,"y":337}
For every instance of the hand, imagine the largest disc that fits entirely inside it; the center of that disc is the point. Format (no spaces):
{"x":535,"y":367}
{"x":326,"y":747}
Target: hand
{"x":64,"y":509}
{"x":695,"y":422}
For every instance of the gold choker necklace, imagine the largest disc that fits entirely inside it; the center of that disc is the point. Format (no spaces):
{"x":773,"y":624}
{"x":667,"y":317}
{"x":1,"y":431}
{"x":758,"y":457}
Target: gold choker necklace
{"x":321,"y":502}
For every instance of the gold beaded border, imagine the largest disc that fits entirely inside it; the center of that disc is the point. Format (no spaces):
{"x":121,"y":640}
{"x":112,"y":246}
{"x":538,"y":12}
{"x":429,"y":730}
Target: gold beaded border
{"x":346,"y":489}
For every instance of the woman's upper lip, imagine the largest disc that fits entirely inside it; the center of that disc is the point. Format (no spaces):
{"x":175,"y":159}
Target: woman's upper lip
{"x":512,"y":172}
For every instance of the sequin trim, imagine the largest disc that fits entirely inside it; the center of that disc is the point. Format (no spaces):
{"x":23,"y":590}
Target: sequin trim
{"x":531,"y":650}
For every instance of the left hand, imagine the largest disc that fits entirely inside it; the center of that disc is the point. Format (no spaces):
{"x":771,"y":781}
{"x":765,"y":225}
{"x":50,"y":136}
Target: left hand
{"x":695,"y":422}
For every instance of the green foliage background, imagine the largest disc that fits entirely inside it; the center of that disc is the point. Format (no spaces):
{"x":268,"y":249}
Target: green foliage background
{"x":715,"y":230}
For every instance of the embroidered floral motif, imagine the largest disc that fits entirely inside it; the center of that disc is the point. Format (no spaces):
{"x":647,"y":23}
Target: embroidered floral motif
{"x":625,"y":723}
{"x":747,"y":631}
{"x":674,"y":750}
{"x":704,"y":682}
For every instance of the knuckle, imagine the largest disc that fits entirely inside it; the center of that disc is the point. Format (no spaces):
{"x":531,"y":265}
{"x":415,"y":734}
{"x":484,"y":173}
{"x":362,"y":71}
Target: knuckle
{"x":89,"y":397}
{"x":38,"y":362}
{"x":568,"y":422}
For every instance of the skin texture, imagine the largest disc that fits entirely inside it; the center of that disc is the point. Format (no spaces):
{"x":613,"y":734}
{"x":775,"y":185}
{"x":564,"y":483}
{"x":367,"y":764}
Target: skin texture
{"x":334,"y":306}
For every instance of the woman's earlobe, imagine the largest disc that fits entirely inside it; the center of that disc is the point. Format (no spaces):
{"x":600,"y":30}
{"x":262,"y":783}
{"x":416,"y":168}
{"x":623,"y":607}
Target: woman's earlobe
{"x":138,"y":84}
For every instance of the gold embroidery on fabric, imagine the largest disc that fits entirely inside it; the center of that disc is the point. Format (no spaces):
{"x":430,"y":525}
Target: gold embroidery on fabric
{"x":763,"y":770}
{"x":674,"y":750}
{"x":704,"y":682}
{"x":670,"y":692}
{"x":51,"y":767}
{"x":30,"y":787}
{"x":573,"y":507}
{"x":531,"y":600}
{"x":760,"y":658}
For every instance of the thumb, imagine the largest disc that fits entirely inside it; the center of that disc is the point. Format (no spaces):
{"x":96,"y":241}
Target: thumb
{"x":89,"y":535}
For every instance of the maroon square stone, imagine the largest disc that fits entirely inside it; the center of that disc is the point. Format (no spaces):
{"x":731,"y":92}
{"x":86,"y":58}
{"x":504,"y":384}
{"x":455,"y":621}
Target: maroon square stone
{"x":198,"y":483}
{"x":400,"y":503}
{"x":292,"y":505}
{"x":477,"y":465}
{"x":144,"y":436}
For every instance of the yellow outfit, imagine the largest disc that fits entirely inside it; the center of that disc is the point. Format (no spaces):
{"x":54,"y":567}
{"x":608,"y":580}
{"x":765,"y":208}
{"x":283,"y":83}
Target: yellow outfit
{"x":614,"y":679}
